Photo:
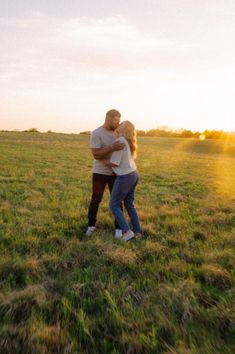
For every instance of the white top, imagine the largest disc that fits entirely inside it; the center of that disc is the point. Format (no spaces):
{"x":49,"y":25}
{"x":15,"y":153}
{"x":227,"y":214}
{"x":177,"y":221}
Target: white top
{"x":101,"y":138}
{"x":123,"y":159}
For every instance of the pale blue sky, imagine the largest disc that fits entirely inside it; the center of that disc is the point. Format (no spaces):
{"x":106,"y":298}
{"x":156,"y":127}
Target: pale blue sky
{"x":63,"y":64}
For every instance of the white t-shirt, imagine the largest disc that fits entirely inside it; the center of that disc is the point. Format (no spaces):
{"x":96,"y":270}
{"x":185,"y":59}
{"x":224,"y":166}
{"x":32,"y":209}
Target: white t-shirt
{"x":123,"y":159}
{"x":101,"y":138}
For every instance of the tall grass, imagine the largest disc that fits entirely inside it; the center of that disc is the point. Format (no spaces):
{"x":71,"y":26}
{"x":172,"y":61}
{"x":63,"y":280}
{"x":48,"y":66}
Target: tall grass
{"x":171,"y":291}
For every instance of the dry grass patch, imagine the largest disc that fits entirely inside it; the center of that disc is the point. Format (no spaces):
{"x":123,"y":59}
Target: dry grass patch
{"x":142,"y":215}
{"x":223,"y":256}
{"x":30,"y":174}
{"x":73,"y":244}
{"x":177,"y":240}
{"x":175,"y":224}
{"x":121,"y":255}
{"x":33,"y":263}
{"x":149,"y":229}
{"x":50,"y":339}
{"x":179,"y":198}
{"x":55,"y":263}
{"x":5,"y":207}
{"x":215,"y":275}
{"x":35,"y":198}
{"x":17,"y":306}
{"x":16,"y":271}
{"x":153,"y":247}
{"x":58,"y":182}
{"x":210,"y":210}
{"x":24,"y":211}
{"x":167,"y":210}
{"x":182,"y":348}
{"x":219,"y":219}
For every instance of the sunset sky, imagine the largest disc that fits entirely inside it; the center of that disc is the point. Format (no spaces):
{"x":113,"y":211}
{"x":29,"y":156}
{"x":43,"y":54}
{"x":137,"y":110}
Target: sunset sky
{"x":64,"y":63}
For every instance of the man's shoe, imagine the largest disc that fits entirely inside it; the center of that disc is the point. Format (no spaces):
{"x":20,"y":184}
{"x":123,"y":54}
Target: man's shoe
{"x":90,"y":230}
{"x":128,"y":235}
{"x":118,"y":233}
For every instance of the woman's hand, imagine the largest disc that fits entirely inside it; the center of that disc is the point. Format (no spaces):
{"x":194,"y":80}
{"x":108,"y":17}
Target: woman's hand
{"x":117,"y":146}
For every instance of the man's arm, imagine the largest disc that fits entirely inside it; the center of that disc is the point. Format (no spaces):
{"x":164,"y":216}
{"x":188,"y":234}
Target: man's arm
{"x":101,"y":153}
{"x":115,"y":159}
{"x":108,"y":163}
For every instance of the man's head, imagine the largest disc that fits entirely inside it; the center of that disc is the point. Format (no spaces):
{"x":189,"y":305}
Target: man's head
{"x":112,"y":119}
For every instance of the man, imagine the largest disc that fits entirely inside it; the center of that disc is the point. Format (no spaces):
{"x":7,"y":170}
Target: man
{"x":102,"y":145}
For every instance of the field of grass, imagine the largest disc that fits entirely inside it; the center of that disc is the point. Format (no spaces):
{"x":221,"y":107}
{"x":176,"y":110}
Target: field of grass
{"x":170,"y":292}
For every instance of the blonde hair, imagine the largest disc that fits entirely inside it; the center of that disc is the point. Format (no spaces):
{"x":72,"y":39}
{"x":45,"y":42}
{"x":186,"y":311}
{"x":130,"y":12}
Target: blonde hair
{"x":129,"y":133}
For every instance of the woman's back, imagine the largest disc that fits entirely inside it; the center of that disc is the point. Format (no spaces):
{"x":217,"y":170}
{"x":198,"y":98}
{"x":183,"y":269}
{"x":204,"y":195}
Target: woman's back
{"x":123,"y":159}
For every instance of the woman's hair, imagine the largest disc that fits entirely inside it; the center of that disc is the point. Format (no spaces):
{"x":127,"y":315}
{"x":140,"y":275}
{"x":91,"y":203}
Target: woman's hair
{"x":129,"y":133}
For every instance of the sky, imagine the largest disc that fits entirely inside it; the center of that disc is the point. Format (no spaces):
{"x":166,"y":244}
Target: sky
{"x":65,"y":63}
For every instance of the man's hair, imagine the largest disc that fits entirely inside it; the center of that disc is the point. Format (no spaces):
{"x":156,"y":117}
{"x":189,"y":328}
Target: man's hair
{"x":112,"y":113}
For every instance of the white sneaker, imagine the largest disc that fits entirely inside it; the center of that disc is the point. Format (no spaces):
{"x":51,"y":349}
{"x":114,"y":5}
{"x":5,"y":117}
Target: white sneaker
{"x":128,"y":235}
{"x":118,"y":233}
{"x":90,"y":230}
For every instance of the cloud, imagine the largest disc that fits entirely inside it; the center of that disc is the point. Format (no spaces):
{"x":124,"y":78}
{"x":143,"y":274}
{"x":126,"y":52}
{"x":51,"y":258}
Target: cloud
{"x":37,"y":46}
{"x":69,"y":65}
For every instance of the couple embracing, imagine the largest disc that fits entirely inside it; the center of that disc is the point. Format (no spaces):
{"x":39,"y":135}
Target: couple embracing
{"x":114,"y":148}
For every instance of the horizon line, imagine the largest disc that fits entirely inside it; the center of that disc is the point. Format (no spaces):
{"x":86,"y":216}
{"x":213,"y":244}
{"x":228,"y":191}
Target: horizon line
{"x":163,"y":129}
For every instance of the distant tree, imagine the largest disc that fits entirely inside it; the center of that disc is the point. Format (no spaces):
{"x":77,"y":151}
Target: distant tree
{"x":196,"y":135}
{"x":141,"y":132}
{"x":215,"y":134}
{"x":85,"y":133}
{"x":187,"y":134}
{"x":184,"y":133}
{"x":32,"y":130}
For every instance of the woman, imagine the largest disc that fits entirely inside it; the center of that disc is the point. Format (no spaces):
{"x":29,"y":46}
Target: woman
{"x":123,"y":165}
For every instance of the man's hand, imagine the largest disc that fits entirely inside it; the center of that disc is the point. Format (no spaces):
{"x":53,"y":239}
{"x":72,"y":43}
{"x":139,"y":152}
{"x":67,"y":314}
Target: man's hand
{"x":117,"y":146}
{"x":102,"y":153}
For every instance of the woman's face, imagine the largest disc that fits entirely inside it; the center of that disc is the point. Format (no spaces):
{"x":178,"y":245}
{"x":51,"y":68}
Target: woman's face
{"x":118,"y":131}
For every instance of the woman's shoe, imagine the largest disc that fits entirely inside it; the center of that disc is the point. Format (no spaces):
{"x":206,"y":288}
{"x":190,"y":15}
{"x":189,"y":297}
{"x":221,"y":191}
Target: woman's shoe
{"x":128,"y":235}
{"x":90,"y":230}
{"x":118,"y":234}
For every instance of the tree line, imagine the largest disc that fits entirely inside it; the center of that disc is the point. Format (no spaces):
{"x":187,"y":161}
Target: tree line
{"x":166,"y":133}
{"x":184,"y":133}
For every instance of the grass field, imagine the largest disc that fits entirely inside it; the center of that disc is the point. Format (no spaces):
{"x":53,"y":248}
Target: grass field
{"x":170,"y":292}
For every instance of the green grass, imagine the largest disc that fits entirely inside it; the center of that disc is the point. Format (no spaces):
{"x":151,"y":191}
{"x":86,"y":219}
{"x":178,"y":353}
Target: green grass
{"x":170,"y":292}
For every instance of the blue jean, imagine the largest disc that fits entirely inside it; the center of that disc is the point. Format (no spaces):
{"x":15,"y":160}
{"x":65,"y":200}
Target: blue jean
{"x":124,"y":190}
